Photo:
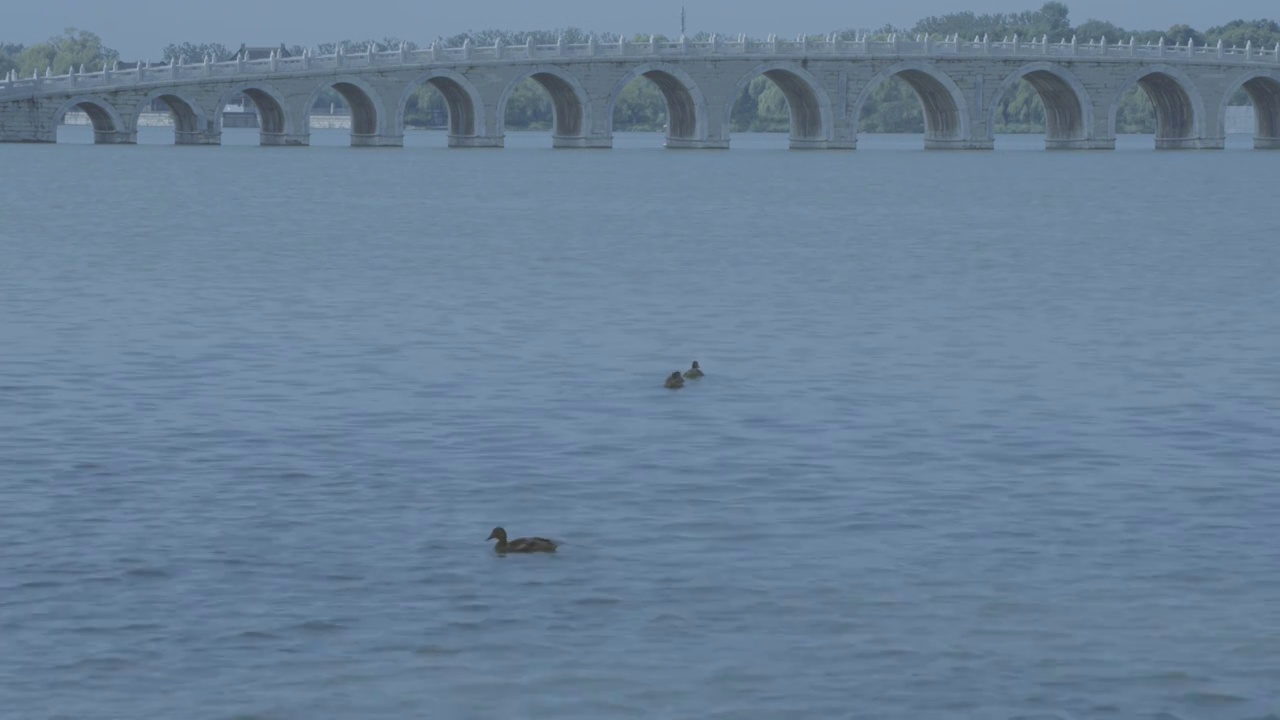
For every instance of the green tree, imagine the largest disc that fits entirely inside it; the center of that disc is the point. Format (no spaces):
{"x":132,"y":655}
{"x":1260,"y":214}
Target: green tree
{"x":9,"y":53}
{"x":71,"y":49}
{"x":1237,"y":33}
{"x":641,"y":107}
{"x":1180,"y":34}
{"x":195,"y":52}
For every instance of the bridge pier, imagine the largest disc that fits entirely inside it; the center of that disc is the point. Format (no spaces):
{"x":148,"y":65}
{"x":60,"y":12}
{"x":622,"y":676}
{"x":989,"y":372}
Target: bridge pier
{"x":1193,"y":143}
{"x":584,"y":142}
{"x":673,"y":143}
{"x":820,"y":144}
{"x":959,"y":143}
{"x":375,"y":140}
{"x":115,"y":137}
{"x":476,"y":141}
{"x":197,"y":138}
{"x":280,"y":139}
{"x":1080,"y":144}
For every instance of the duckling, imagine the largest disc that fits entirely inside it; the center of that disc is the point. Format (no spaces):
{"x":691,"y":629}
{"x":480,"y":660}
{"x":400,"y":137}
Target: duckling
{"x":674,"y":381}
{"x":520,"y":545}
{"x":694,"y":372}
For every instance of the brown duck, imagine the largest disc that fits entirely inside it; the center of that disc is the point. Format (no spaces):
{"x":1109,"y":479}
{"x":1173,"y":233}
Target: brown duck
{"x":694,"y":372}
{"x":674,"y":381}
{"x":520,"y":545}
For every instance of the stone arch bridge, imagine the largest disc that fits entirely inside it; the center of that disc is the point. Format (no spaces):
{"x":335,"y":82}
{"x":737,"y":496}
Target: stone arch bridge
{"x":959,"y":84}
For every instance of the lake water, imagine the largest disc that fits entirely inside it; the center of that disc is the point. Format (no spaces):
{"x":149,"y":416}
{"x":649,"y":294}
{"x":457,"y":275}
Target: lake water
{"x":983,"y":435}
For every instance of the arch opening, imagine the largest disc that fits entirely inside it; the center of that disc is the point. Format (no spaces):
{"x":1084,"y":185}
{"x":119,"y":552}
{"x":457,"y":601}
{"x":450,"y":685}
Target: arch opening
{"x":682,"y":110}
{"x":891,"y":108}
{"x":641,"y":107}
{"x":942,"y":119}
{"x":439,"y":101}
{"x":682,"y":105}
{"x":97,"y":116}
{"x":187,"y":125}
{"x":426,"y":109}
{"x":913,"y":97}
{"x":1020,"y":111}
{"x":1044,"y":98}
{"x":1061,"y":107}
{"x":1175,"y":115}
{"x":543,"y":100}
{"x":1264,"y":93}
{"x":779,"y":99}
{"x":271,"y":119}
{"x":364,"y":111}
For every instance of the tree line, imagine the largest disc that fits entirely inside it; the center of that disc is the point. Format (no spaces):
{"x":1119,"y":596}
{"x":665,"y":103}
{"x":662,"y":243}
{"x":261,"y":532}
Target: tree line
{"x":892,"y":107}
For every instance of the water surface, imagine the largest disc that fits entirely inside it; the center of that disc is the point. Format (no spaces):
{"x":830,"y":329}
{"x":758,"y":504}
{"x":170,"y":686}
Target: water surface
{"x":984,"y":435}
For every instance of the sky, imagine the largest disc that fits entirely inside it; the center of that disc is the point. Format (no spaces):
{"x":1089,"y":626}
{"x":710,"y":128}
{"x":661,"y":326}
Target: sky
{"x":140,"y":28}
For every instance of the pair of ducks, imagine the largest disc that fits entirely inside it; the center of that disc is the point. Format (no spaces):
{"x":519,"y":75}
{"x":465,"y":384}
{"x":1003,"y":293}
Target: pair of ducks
{"x":675,"y":381}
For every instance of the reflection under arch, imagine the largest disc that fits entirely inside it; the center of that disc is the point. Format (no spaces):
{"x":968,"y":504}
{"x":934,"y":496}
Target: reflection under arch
{"x":946,"y":114}
{"x":686,"y":105}
{"x":1263,"y":89}
{"x":466,"y":109}
{"x":1178,"y":105}
{"x":108,"y":127}
{"x":1068,"y":109}
{"x":812,"y":121}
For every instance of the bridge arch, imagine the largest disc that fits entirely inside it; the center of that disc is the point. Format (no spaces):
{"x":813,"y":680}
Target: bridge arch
{"x":367,"y":119}
{"x":686,"y":105}
{"x":189,"y":120}
{"x":466,"y":109}
{"x":1179,"y":107}
{"x":809,"y":107}
{"x":1263,"y":88}
{"x":102,"y":114}
{"x":946,"y":113}
{"x":570,"y":104}
{"x":1068,"y":109}
{"x":274,"y":117}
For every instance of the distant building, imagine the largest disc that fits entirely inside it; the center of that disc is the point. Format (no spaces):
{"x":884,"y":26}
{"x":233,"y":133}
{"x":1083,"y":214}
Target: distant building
{"x":261,"y":53}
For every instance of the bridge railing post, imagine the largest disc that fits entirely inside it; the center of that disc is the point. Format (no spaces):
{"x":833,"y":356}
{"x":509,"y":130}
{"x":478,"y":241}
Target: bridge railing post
{"x":497,"y":49}
{"x":986,"y":44}
{"x":560,"y":46}
{"x":1248,"y":50}
{"x":1103,"y":45}
{"x":466,"y":49}
{"x":1133,"y":46}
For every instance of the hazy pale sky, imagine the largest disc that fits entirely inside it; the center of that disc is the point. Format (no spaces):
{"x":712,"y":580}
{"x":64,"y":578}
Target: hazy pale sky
{"x":140,"y":28}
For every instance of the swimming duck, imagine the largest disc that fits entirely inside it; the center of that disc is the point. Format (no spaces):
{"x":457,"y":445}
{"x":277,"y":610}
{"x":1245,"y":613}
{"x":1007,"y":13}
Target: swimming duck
{"x":520,"y":545}
{"x":694,"y":372}
{"x":674,"y":381}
